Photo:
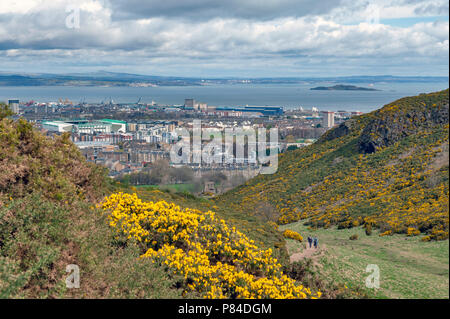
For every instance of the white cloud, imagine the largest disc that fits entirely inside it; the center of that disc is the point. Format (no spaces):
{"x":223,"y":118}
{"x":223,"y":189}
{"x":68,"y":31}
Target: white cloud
{"x":16,"y":6}
{"x":36,"y":29}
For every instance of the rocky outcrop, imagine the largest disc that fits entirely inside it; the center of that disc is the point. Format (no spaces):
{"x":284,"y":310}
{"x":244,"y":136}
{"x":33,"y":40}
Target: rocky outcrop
{"x":343,"y":129}
{"x":402,"y":118}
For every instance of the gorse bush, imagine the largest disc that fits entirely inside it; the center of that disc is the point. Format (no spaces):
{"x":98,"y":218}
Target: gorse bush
{"x":292,"y":235}
{"x":368,"y":229}
{"x":31,"y":161}
{"x":32,"y":231}
{"x":411,"y":231}
{"x":46,"y":223}
{"x":41,"y":182}
{"x":216,"y":260}
{"x":48,"y":220}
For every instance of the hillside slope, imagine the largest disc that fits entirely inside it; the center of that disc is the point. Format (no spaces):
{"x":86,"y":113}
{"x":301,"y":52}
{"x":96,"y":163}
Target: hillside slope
{"x":49,"y":219}
{"x":387,"y":169}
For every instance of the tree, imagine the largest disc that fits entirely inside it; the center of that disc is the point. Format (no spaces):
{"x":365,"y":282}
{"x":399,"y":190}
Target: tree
{"x":183,"y":174}
{"x":5,"y":111}
{"x":290,"y":139}
{"x":216,"y":177}
{"x":266,"y":211}
{"x":160,"y":172}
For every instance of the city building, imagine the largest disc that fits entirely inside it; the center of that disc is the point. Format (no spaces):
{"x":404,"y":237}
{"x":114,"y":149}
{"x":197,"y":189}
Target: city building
{"x":116,"y":126}
{"x":57,"y":126}
{"x":201,"y":106}
{"x":132,"y":127}
{"x":86,"y":127}
{"x":14,"y":106}
{"x":255,"y":110}
{"x":265,"y":110}
{"x":189,"y":103}
{"x":328,"y":119}
{"x":92,"y":127}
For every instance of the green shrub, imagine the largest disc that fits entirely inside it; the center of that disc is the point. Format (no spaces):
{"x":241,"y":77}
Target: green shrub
{"x":32,"y":232}
{"x":305,"y":273}
{"x":368,"y":229}
{"x":5,"y":111}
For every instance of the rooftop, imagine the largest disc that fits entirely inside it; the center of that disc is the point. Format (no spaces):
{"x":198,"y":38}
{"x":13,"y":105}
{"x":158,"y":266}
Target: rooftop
{"x":113,"y":121}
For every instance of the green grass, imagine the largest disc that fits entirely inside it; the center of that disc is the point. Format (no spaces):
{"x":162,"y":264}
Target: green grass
{"x":175,"y":187}
{"x":408,"y":267}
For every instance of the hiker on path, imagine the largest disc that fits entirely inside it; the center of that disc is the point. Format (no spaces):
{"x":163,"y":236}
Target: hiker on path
{"x":309,"y":241}
{"x":316,"y":242}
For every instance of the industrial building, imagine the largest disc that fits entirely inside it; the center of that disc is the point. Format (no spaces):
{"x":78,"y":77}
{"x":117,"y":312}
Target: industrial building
{"x":86,"y":127}
{"x":116,"y":126}
{"x":57,"y":126}
{"x":263,"y":110}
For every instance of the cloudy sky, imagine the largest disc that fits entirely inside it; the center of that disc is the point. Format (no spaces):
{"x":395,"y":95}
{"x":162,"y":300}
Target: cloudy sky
{"x":243,"y":38}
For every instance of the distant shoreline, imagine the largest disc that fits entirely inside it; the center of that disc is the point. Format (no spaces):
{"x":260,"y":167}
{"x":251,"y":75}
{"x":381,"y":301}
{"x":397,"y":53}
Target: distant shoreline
{"x":111,"y":79}
{"x":342,"y":88}
{"x":289,"y":96}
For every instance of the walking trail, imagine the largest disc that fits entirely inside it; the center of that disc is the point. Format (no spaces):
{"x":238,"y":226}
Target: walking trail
{"x":312,"y":253}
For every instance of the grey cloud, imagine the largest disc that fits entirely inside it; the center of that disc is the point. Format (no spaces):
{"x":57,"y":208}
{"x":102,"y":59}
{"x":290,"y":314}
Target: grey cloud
{"x":432,"y":9}
{"x":166,"y":41}
{"x":209,"y":9}
{"x":222,"y":38}
{"x":428,"y":7}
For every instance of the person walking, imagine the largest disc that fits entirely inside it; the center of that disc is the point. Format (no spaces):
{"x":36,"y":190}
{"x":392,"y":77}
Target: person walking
{"x":316,"y":242}
{"x":309,"y":241}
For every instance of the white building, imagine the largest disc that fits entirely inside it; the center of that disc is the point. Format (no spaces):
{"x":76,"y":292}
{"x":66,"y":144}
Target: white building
{"x":116,"y":126}
{"x":328,"y":119}
{"x":57,"y":126}
{"x":14,"y":106}
{"x":201,"y":106}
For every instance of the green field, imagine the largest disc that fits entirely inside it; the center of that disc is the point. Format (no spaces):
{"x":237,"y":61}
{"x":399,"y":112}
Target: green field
{"x":409,"y":268}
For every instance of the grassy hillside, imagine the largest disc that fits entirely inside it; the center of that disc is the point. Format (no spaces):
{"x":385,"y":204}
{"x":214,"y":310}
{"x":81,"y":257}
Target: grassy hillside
{"x":409,"y":268}
{"x":387,"y":170}
{"x":49,"y":219}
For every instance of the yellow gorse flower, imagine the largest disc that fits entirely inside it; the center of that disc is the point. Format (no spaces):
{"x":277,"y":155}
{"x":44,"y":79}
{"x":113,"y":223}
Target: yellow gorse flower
{"x":292,"y":235}
{"x":215,"y":260}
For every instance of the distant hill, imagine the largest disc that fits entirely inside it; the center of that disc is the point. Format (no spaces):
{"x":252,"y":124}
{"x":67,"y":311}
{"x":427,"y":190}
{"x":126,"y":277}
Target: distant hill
{"x":388,"y":170}
{"x":341,"y":87}
{"x":104,"y":78}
